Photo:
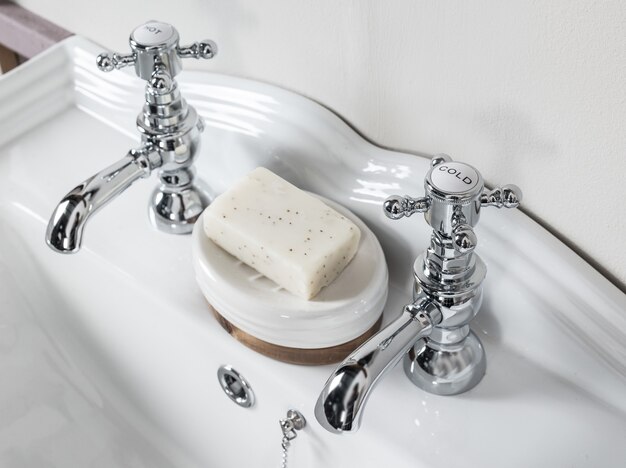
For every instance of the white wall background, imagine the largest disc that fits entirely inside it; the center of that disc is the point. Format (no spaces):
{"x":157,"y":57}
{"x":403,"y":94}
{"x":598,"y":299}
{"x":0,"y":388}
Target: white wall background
{"x":531,"y":92}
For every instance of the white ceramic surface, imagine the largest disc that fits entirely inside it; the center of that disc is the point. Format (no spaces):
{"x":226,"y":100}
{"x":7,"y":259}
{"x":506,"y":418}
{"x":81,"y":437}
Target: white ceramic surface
{"x":108,"y":358}
{"x":340,"y":312}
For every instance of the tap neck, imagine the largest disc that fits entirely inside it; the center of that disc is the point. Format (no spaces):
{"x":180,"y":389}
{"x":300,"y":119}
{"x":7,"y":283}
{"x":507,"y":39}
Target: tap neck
{"x":164,"y":112}
{"x":442,"y":267}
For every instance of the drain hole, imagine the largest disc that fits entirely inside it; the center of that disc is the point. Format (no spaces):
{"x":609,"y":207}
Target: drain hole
{"x":235,"y":386}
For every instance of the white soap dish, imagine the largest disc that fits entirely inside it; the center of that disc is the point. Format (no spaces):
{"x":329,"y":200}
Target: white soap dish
{"x":274,"y":322}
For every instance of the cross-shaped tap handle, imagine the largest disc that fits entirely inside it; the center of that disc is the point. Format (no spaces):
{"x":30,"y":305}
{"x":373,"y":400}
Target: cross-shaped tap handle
{"x":455,"y":193}
{"x":155,"y":49}
{"x":507,"y":196}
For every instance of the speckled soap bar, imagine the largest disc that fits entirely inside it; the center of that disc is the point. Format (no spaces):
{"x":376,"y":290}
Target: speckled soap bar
{"x":286,"y":234}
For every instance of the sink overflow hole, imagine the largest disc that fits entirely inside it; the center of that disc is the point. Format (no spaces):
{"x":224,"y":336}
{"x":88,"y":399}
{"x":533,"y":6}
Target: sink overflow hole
{"x":235,"y":386}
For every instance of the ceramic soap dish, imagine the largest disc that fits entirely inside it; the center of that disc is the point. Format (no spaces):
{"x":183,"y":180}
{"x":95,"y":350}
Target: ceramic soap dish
{"x":278,"y":324}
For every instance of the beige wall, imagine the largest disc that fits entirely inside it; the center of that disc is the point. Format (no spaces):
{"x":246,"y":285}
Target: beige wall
{"x":532,"y":92}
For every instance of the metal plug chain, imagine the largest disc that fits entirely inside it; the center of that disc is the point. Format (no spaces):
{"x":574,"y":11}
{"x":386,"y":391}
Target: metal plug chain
{"x":290,"y":425}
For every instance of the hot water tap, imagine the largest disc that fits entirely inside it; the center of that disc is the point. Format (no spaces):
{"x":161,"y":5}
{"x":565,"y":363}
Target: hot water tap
{"x":170,"y":137}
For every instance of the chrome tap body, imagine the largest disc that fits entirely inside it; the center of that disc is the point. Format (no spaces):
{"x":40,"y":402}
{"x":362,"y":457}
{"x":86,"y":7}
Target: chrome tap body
{"x":170,"y":138}
{"x":441,"y":354}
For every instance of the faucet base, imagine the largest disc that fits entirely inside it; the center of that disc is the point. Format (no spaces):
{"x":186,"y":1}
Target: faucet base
{"x":176,"y":212}
{"x":446,"y":369}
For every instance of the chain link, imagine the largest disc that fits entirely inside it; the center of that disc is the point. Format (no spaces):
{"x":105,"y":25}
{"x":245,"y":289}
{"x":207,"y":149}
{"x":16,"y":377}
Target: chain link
{"x":289,"y":426}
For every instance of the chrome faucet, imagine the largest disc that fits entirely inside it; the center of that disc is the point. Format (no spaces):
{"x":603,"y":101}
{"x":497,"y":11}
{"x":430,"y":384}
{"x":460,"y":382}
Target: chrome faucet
{"x":170,"y":138}
{"x":441,"y":354}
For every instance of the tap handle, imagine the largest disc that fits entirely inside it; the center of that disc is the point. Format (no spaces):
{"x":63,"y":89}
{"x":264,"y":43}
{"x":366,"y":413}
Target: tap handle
{"x":507,"y":196}
{"x":206,"y":49}
{"x":108,"y":62}
{"x":455,"y":192}
{"x":154,"y":48}
{"x":440,"y":159}
{"x":464,"y":238}
{"x":397,"y":207}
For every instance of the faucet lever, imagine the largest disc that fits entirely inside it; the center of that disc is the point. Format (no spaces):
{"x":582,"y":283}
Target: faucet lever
{"x":464,"y":238}
{"x":154,"y":45}
{"x":206,"y":49}
{"x":507,"y":196}
{"x":107,"y":62}
{"x":397,"y":207}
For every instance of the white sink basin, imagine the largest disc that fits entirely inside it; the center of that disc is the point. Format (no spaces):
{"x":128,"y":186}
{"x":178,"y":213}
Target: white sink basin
{"x":108,"y":358}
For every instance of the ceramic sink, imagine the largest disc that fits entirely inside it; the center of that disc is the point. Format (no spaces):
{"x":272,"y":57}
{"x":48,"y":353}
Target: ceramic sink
{"x":108,"y":358}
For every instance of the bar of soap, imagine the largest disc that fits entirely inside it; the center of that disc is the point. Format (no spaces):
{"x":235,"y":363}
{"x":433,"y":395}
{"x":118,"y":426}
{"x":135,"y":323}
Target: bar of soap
{"x":286,"y":234}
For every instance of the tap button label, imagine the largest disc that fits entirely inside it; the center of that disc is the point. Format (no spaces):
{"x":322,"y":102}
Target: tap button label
{"x":153,"y":33}
{"x":454,"y":177}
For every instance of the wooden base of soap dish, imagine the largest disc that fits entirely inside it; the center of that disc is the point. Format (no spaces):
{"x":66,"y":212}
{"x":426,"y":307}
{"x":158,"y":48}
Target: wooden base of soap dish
{"x":301,"y":356}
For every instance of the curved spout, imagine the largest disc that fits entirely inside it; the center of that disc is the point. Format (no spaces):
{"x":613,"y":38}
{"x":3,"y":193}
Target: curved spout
{"x":65,"y":229}
{"x":339,"y":407}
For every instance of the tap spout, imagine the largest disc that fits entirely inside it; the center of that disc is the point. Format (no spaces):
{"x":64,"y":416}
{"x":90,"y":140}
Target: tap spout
{"x":339,"y":407}
{"x":65,"y":229}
